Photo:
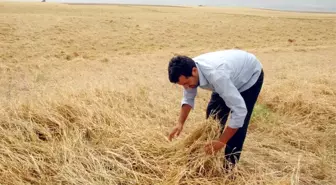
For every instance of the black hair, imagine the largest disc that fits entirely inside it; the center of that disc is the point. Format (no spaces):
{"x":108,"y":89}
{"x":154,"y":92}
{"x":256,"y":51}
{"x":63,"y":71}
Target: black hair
{"x":180,"y":65}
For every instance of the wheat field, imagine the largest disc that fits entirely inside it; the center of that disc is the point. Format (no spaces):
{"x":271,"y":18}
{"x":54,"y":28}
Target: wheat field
{"x":85,"y":95}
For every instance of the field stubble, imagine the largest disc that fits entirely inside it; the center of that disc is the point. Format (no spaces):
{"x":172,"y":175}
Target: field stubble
{"x":86,"y":97}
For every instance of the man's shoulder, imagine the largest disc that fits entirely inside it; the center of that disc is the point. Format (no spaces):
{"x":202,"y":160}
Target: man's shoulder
{"x":219,"y":53}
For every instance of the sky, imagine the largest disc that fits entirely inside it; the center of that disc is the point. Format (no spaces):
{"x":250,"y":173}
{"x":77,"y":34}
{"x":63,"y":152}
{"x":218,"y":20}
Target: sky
{"x":295,"y":5}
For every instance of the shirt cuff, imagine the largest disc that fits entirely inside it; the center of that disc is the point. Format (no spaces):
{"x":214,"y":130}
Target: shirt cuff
{"x":191,"y":103}
{"x":236,"y":123}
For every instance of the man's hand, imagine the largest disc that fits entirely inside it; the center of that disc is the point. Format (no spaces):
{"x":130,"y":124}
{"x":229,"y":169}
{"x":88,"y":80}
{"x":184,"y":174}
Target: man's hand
{"x":213,"y":147}
{"x":176,"y":131}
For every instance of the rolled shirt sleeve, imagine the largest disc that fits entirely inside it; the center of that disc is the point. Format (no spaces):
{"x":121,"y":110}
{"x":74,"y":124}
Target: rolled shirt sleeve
{"x":230,"y":94}
{"x":189,"y":97}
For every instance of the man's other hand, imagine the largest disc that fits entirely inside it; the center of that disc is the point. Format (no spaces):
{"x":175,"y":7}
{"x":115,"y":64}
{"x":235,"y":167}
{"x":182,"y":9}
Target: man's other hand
{"x":176,"y":131}
{"x":213,"y":147}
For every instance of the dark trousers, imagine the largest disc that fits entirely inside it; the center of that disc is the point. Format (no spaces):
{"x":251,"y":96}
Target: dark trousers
{"x":218,"y":109}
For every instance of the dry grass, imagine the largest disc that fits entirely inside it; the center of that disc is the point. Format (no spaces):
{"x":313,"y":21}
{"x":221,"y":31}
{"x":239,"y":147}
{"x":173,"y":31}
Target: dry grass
{"x":86,"y":97}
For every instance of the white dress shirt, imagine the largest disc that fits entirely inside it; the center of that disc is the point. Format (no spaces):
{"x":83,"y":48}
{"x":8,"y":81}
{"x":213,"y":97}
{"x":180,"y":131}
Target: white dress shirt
{"x":227,"y":73}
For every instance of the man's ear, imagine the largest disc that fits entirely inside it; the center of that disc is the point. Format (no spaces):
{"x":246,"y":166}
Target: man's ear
{"x":194,"y":71}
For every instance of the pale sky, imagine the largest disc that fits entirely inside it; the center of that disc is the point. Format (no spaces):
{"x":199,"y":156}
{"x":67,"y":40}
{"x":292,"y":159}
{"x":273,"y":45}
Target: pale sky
{"x":299,"y":5}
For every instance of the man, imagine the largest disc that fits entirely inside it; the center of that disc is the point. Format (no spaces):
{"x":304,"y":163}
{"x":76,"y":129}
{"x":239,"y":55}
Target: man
{"x":236,"y":78}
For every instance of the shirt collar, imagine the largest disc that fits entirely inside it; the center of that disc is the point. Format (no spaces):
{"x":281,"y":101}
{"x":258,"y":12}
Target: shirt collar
{"x":202,"y":81}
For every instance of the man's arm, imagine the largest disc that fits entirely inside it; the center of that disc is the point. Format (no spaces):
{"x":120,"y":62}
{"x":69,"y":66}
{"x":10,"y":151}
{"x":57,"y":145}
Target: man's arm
{"x":216,"y":145}
{"x":185,"y":109}
{"x":230,"y":94}
{"x":186,"y":105}
{"x":232,"y":98}
{"x":227,"y":134}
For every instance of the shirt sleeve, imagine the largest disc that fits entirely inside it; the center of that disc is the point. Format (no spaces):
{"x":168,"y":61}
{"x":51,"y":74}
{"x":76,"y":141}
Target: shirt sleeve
{"x":189,"y":97}
{"x":230,"y":94}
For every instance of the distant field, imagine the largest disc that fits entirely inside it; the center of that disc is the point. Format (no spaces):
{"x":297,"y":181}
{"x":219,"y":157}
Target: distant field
{"x":86,"y":98}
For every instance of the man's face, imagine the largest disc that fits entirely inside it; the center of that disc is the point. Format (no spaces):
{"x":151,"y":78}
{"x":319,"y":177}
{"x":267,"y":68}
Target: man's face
{"x":189,"y":82}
